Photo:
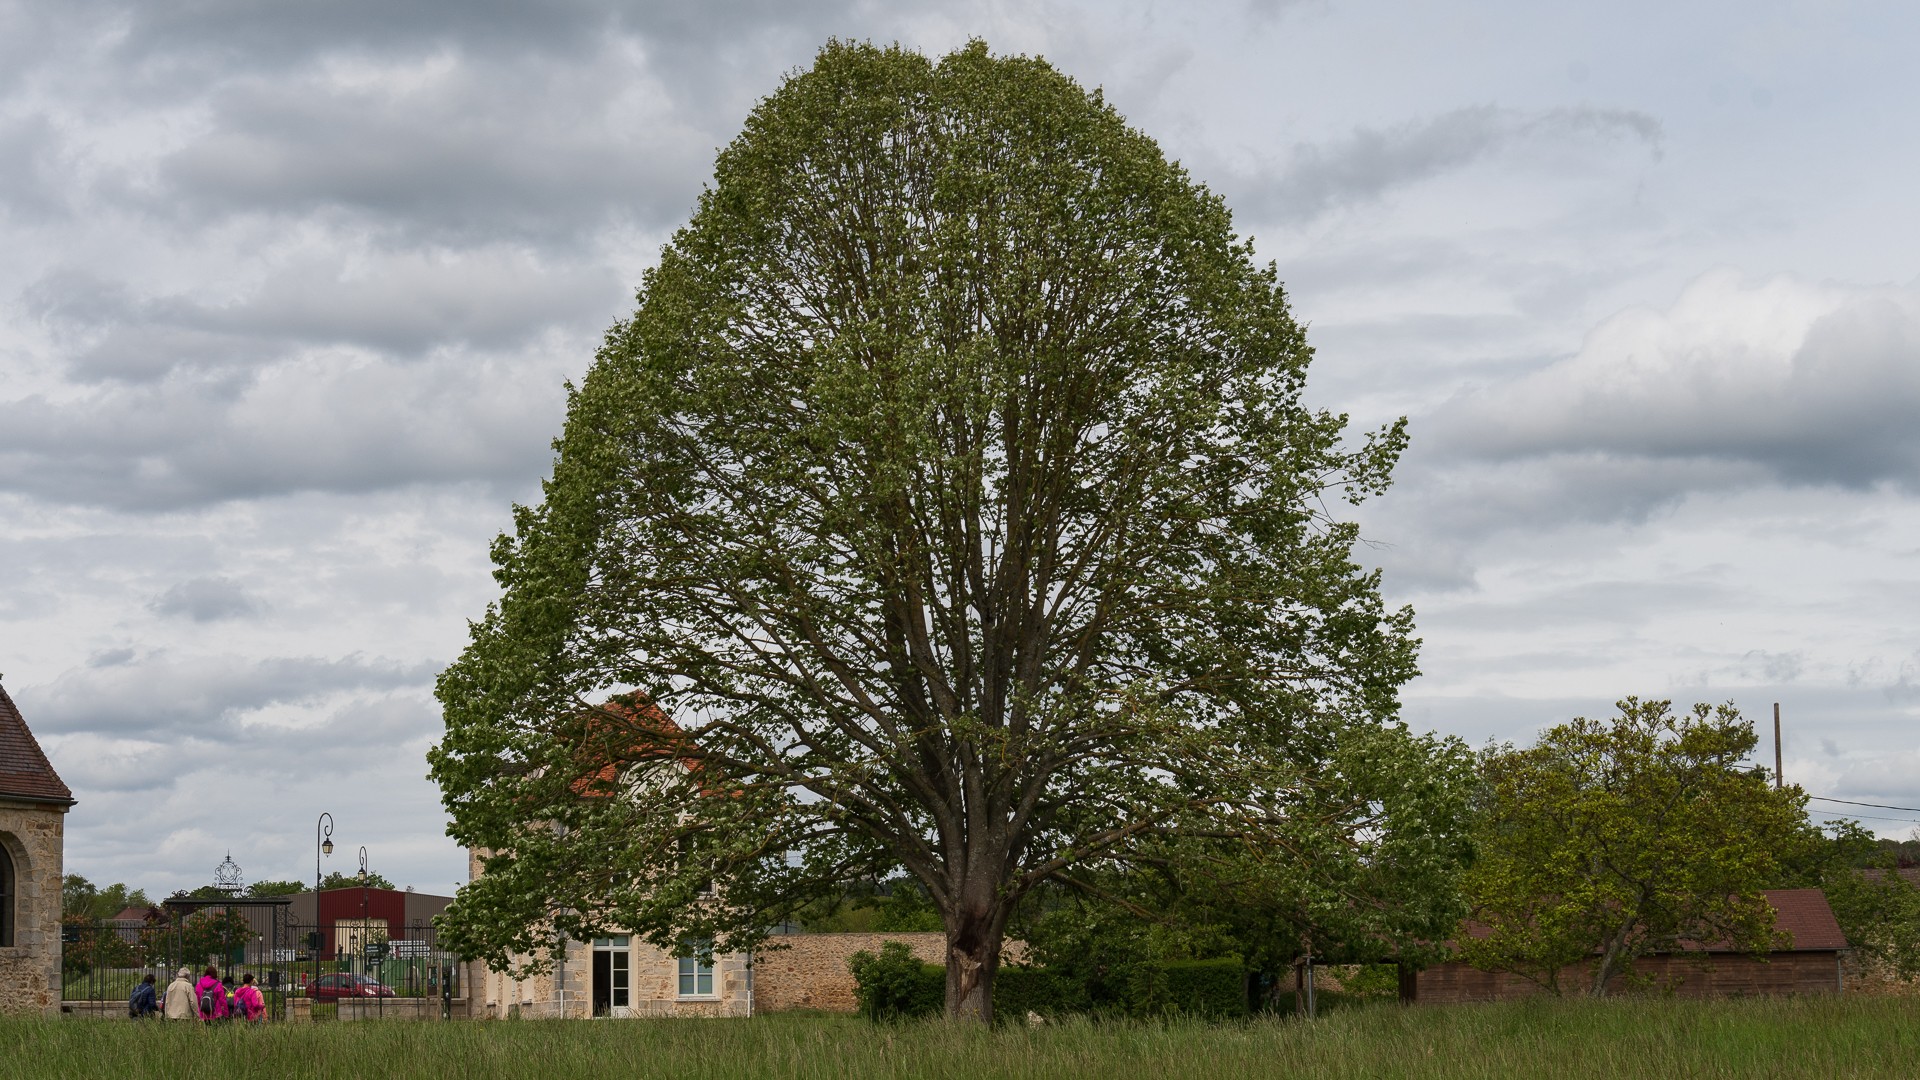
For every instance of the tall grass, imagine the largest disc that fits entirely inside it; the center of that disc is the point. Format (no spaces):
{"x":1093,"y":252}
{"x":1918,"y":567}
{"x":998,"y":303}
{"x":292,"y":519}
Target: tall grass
{"x":1827,"y":1038}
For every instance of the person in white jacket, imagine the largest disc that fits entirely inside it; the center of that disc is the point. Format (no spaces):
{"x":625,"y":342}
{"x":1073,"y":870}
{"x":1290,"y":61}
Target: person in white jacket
{"x":180,"y":1004}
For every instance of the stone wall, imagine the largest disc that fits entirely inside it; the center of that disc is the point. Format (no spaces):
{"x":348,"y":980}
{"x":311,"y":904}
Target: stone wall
{"x":30,"y":968}
{"x":809,"y":971}
{"x":1869,"y":975}
{"x":392,"y":1009}
{"x":1723,"y":975}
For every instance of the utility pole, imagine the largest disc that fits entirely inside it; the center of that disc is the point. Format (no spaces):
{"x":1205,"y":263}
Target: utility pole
{"x":1777,"y":781}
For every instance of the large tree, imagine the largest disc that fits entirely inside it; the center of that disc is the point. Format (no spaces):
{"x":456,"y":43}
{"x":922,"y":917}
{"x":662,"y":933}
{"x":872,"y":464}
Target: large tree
{"x":952,"y":492}
{"x":1644,"y":832}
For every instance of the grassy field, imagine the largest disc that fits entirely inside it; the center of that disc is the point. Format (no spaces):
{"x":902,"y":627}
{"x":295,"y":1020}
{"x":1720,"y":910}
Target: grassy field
{"x":1824,"y":1038}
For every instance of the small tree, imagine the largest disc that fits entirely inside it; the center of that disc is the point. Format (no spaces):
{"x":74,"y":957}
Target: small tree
{"x":1877,"y":907}
{"x":1609,"y":840}
{"x":214,"y":935}
{"x":337,"y":880}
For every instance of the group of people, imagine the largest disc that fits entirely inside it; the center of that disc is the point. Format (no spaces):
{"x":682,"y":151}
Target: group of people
{"x":209,"y":999}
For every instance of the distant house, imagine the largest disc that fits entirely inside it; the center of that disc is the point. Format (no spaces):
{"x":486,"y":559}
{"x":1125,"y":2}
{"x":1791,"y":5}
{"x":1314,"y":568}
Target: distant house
{"x":349,"y":919}
{"x":1810,"y":965}
{"x":137,"y":917}
{"x":33,"y":809}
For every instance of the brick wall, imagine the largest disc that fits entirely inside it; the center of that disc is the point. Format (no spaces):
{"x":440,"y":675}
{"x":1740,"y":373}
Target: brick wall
{"x":1725,"y":975}
{"x":30,"y":969}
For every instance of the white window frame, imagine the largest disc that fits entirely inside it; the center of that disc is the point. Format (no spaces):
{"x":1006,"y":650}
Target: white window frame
{"x":698,"y":963}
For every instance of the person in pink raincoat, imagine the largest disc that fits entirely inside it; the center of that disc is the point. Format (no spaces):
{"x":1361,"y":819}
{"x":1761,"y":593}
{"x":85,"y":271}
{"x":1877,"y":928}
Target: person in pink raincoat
{"x":248,"y":1003}
{"x":211,"y":995}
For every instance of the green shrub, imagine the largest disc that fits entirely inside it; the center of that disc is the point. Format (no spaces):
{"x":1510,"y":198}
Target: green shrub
{"x":1018,"y":991}
{"x":1206,"y":988}
{"x":1372,"y":981}
{"x":895,"y":985}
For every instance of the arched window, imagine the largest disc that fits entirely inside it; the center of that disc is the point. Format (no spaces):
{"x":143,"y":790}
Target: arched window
{"x":6,"y":897}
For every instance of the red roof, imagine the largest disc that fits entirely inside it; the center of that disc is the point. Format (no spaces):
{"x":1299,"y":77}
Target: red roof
{"x":628,"y":729}
{"x":25,"y":772}
{"x":1804,"y":914}
{"x":1801,"y":913}
{"x":1911,"y":873}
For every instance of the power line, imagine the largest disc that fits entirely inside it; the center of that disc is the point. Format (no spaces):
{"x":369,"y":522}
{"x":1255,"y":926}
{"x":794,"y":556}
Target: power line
{"x":1875,"y":805}
{"x":1880,"y":817}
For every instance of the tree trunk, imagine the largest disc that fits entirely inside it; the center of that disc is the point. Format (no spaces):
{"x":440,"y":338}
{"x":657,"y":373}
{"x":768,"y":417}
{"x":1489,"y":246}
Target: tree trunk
{"x":973,"y":956}
{"x":1609,"y":958}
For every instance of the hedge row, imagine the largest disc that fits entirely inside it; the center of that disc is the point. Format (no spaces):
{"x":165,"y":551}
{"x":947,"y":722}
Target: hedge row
{"x":895,"y":985}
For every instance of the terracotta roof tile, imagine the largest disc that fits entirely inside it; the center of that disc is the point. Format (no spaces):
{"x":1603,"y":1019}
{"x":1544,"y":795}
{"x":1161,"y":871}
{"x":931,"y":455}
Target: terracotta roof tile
{"x":25,"y":772}
{"x":1804,"y":913}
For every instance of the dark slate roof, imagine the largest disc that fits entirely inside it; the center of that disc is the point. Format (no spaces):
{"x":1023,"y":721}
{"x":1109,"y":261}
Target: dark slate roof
{"x":25,"y":772}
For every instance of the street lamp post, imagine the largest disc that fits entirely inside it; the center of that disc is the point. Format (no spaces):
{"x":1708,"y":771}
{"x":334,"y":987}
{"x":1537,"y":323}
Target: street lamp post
{"x":364,"y":935}
{"x":322,"y":845}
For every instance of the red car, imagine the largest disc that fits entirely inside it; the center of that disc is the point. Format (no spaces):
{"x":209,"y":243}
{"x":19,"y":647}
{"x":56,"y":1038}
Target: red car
{"x":335,"y":987}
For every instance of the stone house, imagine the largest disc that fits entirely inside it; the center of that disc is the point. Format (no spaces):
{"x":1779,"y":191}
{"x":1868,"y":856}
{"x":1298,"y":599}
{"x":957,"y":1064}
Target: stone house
{"x":619,"y":975}
{"x":33,"y":809}
{"x":622,"y":975}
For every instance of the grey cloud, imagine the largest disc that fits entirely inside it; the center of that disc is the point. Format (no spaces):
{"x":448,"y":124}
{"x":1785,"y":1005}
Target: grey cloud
{"x":206,"y":600}
{"x":143,"y":799}
{"x":30,"y":170}
{"x":1620,"y":605}
{"x":321,"y":423}
{"x":475,"y":152}
{"x":164,"y":698}
{"x":1433,"y":526}
{"x":1779,"y":382}
{"x":401,"y":304}
{"x":248,"y":33}
{"x":548,"y":125}
{"x":1373,"y":161}
{"x":1774,"y":667}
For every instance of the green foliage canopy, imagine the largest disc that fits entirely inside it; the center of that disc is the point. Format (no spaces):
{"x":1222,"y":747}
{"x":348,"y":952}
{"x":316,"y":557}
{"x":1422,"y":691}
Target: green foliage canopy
{"x":1617,"y":838}
{"x":82,"y":898}
{"x":952,"y":492}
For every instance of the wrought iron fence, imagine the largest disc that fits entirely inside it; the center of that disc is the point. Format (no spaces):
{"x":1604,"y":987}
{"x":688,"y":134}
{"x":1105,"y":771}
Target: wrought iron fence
{"x":359,"y":962}
{"x":104,"y":961}
{"x":369,"y":966}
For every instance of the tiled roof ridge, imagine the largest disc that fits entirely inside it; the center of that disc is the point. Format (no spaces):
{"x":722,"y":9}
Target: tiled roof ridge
{"x":1804,"y":914}
{"x":25,"y":772}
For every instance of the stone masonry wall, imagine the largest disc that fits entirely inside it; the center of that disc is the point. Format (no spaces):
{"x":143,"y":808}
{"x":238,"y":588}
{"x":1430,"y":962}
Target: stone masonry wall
{"x":30,"y":969}
{"x":809,"y":971}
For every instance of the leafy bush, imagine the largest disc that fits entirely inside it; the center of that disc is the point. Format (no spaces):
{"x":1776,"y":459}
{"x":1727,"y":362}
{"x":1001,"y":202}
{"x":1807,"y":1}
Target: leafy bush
{"x":895,"y":985}
{"x":1018,"y":991}
{"x":1371,"y":981}
{"x":1207,"y":988}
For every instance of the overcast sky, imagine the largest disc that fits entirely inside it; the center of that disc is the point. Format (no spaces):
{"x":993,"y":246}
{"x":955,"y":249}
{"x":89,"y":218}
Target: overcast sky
{"x":288,"y":292}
